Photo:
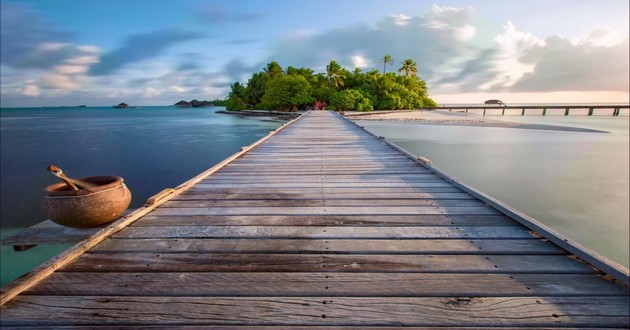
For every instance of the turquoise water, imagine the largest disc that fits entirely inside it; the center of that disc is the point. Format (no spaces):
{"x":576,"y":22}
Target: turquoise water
{"x":575,"y":182}
{"x":153,"y":148}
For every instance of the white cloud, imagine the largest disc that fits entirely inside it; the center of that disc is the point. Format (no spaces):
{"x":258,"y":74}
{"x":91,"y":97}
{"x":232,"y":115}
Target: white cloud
{"x":50,"y":80}
{"x":52,"y":46}
{"x":70,"y":69}
{"x":511,"y":45}
{"x":400,"y":19}
{"x":177,"y":89}
{"x":466,"y":32}
{"x":30,"y":90}
{"x":89,"y":49}
{"x":603,"y":36}
{"x":559,"y":65}
{"x":358,"y":61}
{"x":82,"y":60}
{"x":150,"y":92}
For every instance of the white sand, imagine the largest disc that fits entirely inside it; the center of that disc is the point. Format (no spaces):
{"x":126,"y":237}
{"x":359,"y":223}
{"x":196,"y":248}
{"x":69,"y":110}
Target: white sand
{"x":451,"y":118}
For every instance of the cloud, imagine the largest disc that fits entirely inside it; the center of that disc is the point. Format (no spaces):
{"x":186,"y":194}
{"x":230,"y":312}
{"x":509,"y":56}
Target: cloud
{"x":432,"y":40}
{"x":358,"y":61}
{"x":150,"y":92}
{"x":454,"y":21}
{"x":30,"y":90}
{"x":236,"y":69}
{"x":140,"y":47}
{"x":51,"y":80}
{"x":22,"y":30}
{"x":177,"y":89}
{"x":400,"y":19}
{"x":563,"y":66}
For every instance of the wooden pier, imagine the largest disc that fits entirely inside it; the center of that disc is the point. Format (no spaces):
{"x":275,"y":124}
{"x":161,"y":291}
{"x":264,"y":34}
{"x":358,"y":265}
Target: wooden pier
{"x":321,"y":224}
{"x":565,"y":110}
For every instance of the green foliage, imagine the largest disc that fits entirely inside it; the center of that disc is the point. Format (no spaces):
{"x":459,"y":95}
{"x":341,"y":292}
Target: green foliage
{"x":273,"y":70}
{"x":219,"y":103}
{"x":351,"y":99}
{"x":287,"y":92}
{"x":297,"y":88}
{"x":408,"y":66}
{"x":256,"y":86}
{"x":236,"y":98}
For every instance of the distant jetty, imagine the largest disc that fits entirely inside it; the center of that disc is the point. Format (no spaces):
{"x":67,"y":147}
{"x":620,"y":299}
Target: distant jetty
{"x":194,"y":104}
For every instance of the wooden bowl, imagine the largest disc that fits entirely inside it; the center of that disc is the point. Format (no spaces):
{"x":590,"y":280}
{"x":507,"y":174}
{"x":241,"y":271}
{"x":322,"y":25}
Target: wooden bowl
{"x":88,"y":207}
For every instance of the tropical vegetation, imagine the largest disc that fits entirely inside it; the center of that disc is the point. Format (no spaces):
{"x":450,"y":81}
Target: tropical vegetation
{"x":276,"y":88}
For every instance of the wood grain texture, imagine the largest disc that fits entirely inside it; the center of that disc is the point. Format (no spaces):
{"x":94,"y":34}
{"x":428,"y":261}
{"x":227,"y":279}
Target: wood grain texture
{"x":335,"y":246}
{"x":304,"y":232}
{"x":153,"y":220}
{"x":241,"y":262}
{"x":328,"y":284}
{"x":426,"y":311}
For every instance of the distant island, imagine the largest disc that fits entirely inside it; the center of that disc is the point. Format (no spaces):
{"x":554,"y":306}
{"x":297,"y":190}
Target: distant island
{"x":290,"y":89}
{"x":123,"y":106}
{"x":194,"y":104}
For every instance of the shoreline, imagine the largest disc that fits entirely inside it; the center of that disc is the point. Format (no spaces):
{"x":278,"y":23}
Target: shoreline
{"x":274,"y":115}
{"x":431,"y":117}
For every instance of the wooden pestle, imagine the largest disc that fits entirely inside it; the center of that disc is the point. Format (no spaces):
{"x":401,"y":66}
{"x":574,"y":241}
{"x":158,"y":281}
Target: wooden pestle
{"x":72,"y":183}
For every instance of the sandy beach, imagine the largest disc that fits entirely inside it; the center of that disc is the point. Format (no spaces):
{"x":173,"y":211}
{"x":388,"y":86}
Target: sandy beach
{"x":453,"y":118}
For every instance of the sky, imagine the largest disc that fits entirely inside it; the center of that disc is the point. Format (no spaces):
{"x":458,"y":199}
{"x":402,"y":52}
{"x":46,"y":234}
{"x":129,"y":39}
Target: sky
{"x":157,"y":52}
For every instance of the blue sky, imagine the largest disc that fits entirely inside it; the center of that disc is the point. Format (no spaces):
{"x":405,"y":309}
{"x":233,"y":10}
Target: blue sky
{"x":157,"y":52}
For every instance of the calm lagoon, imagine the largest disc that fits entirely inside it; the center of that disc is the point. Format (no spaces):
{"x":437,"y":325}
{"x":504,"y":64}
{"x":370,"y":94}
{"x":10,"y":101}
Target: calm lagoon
{"x":575,"y":182}
{"x":153,"y":148}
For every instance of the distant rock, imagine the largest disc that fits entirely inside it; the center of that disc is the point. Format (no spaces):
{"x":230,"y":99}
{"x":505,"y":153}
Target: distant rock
{"x":122,"y":106}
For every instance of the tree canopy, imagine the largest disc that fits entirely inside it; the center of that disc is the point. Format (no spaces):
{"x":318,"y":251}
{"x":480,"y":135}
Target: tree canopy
{"x":276,"y":88}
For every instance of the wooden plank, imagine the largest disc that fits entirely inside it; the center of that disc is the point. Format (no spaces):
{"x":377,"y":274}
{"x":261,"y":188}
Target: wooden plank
{"x":331,"y":210}
{"x":273,"y":195}
{"x":261,"y":232}
{"x":201,"y":262}
{"x":327,"y":190}
{"x":152,"y":220}
{"x":339,"y":284}
{"x":343,"y":246}
{"x":216,"y":203}
{"x":48,"y":232}
{"x":307,"y":185}
{"x":408,"y":311}
{"x":316,"y":179}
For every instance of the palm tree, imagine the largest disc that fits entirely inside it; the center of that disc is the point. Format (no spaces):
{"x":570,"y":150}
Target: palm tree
{"x":333,"y":71}
{"x":273,"y":69}
{"x":386,"y":60}
{"x":408,"y":65}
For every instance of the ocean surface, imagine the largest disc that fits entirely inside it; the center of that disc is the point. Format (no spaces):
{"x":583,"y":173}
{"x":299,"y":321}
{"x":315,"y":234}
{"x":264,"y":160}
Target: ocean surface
{"x":575,"y":182}
{"x":152,"y":148}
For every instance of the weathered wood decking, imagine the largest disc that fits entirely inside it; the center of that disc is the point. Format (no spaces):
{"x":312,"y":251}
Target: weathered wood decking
{"x":323,"y":225}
